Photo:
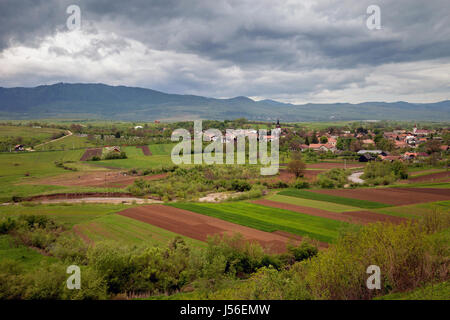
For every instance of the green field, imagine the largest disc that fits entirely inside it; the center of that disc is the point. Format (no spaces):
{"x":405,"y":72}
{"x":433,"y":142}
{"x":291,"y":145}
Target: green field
{"x":68,"y":143}
{"x":438,"y":291}
{"x":66,"y":214}
{"x":329,"y":206}
{"x":28,"y":133}
{"x":26,"y":257}
{"x":334,"y":199}
{"x":136,"y":158}
{"x":269,"y":219}
{"x":127,"y":230}
{"x":415,"y":210}
{"x":17,"y":172}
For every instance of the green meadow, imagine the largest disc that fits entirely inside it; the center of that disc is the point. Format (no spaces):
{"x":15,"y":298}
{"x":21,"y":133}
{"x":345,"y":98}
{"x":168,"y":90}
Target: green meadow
{"x":65,"y":214}
{"x":329,"y":206}
{"x":136,"y":158}
{"x":127,"y":230}
{"x":27,"y":258}
{"x":269,"y":219}
{"x":334,"y":199}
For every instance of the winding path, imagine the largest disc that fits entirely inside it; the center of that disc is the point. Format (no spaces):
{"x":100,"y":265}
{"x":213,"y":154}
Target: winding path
{"x":69,"y":133}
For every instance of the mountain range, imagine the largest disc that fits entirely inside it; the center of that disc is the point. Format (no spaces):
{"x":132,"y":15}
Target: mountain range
{"x":101,"y":101}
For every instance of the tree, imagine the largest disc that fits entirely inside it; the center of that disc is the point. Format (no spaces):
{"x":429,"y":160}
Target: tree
{"x":314,"y":138}
{"x":432,"y":146}
{"x":307,"y":141}
{"x":117,"y":135}
{"x":323,"y":139}
{"x":296,"y":165}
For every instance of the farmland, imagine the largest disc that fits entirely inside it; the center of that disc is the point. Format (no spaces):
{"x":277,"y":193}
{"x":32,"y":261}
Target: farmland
{"x":334,"y":199}
{"x":274,"y":215}
{"x":269,"y":219}
{"x":126,"y":230}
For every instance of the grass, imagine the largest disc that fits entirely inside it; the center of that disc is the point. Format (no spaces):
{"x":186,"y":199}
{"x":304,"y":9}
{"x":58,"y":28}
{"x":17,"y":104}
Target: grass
{"x":439,"y":291}
{"x":28,"y":133}
{"x":329,"y":206}
{"x":269,"y":219}
{"x":71,"y":142}
{"x":334,"y":199}
{"x":127,"y":230}
{"x":438,"y":185}
{"x":66,"y":214}
{"x":415,"y":210}
{"x":26,"y":257}
{"x":136,"y":158}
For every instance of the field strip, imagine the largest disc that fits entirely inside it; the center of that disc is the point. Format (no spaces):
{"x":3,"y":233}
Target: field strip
{"x":392,"y":196}
{"x":361,"y":217}
{"x":329,"y":206}
{"x":333,"y":198}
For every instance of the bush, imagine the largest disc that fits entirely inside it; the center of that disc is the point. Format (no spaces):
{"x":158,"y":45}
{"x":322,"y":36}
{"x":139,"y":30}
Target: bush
{"x":301,"y":184}
{"x":7,"y":224}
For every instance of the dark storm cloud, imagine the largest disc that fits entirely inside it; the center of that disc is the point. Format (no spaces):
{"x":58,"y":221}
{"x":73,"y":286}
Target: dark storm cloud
{"x":255,"y":32}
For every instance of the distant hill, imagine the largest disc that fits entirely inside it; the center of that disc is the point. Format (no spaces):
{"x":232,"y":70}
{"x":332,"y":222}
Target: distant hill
{"x":100,"y":101}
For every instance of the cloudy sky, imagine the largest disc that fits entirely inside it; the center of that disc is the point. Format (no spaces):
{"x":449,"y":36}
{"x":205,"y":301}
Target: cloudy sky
{"x":295,"y":51}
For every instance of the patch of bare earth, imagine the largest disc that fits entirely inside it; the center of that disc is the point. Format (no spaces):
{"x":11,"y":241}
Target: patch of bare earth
{"x":432,"y":177}
{"x":145,"y":150}
{"x":107,"y":179}
{"x":89,"y":153}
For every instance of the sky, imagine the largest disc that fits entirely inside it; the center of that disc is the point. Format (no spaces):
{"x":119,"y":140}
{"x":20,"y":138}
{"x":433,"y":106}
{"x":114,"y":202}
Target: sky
{"x":291,"y":51}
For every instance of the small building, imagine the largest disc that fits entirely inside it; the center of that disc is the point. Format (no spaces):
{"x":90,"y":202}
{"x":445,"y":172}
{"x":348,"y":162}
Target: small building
{"x":19,"y":147}
{"x":373,"y":152}
{"x":366,"y":157}
{"x":390,"y":158}
{"x":112,"y":149}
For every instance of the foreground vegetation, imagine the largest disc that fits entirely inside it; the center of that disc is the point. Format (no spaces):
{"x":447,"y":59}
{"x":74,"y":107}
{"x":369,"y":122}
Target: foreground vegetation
{"x":411,"y":255}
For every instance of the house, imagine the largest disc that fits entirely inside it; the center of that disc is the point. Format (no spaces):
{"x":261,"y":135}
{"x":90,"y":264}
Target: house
{"x":373,"y":152}
{"x":324,"y":147}
{"x":401,"y":144}
{"x":19,"y":147}
{"x":409,"y":155}
{"x":157,"y":121}
{"x":390,"y":158}
{"x":366,"y":157}
{"x":112,"y":149}
{"x":444,"y":148}
{"x":332,"y":141}
{"x":368,"y":141}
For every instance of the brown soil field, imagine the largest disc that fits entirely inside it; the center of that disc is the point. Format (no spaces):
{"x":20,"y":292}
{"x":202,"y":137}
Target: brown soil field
{"x":360,"y":217}
{"x":145,"y":150}
{"x":89,"y":153}
{"x":394,"y":196}
{"x":109,"y":179}
{"x":286,"y":176}
{"x":432,"y":177}
{"x":198,"y":226}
